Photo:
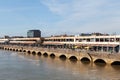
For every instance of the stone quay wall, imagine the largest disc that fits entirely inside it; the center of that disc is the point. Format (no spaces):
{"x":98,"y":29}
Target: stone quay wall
{"x":92,"y":56}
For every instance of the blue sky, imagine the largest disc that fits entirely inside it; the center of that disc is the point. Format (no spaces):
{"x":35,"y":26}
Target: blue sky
{"x":59,"y":16}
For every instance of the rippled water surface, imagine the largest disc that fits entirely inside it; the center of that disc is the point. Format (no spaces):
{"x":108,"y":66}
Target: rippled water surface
{"x":19,"y":66}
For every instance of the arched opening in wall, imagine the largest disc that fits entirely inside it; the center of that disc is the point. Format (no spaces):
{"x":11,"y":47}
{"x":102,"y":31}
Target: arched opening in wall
{"x":33,"y":53}
{"x":45,"y":54}
{"x":85,"y":60}
{"x":39,"y":53}
{"x":20,"y":50}
{"x":5,"y":48}
{"x":52,"y":55}
{"x":13,"y":49}
{"x":73,"y":58}
{"x":28,"y":52}
{"x":10,"y":49}
{"x":24,"y":50}
{"x":116,"y":63}
{"x":63,"y":57}
{"x":2,"y":47}
{"x":16,"y":50}
{"x":100,"y":62}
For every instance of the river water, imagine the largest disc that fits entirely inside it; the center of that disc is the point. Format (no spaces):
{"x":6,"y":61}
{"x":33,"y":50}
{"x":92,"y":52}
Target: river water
{"x":19,"y":66}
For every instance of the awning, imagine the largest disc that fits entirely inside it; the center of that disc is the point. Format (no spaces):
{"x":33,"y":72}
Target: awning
{"x":101,"y":45}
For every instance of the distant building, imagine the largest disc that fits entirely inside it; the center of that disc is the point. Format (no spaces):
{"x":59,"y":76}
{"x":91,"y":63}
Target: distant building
{"x":33,"y":33}
{"x":6,"y":36}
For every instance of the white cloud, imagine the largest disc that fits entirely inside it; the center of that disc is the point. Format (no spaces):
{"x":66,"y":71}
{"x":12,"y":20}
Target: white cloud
{"x":86,"y":15}
{"x":56,"y":7}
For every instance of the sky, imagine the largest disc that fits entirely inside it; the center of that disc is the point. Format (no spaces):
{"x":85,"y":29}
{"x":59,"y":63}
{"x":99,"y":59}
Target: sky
{"x":55,"y":17}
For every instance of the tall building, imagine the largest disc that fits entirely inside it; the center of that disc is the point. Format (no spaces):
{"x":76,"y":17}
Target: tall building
{"x":33,"y":33}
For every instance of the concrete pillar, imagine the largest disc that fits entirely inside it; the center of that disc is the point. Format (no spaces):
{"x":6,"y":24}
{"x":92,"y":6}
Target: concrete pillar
{"x":74,"y":40}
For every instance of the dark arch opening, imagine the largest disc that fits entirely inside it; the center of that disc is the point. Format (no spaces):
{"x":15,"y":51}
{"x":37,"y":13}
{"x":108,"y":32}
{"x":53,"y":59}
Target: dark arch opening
{"x":39,"y":53}
{"x":13,"y":49}
{"x":16,"y":50}
{"x":10,"y":49}
{"x":100,"y":62}
{"x":52,"y":55}
{"x":73,"y":58}
{"x":24,"y":50}
{"x":85,"y":60}
{"x":5,"y":48}
{"x":28,"y":52}
{"x":116,"y":63}
{"x":63,"y":57}
{"x":34,"y":53}
{"x":2,"y":47}
{"x":45,"y":54}
{"x":20,"y":50}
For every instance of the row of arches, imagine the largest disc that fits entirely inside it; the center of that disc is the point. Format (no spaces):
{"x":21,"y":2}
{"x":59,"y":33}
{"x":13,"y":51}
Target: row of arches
{"x":63,"y":57}
{"x":74,"y":58}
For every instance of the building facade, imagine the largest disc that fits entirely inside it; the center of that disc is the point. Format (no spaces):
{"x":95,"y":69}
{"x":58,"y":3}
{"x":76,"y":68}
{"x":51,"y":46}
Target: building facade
{"x":105,"y":43}
{"x":33,"y":33}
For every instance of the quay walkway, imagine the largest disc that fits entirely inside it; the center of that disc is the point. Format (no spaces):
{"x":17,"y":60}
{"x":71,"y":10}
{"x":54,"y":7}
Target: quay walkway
{"x":78,"y":55}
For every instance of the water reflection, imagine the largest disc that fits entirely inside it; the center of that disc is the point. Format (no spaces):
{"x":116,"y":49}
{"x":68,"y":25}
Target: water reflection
{"x":33,"y":67}
{"x":91,"y":71}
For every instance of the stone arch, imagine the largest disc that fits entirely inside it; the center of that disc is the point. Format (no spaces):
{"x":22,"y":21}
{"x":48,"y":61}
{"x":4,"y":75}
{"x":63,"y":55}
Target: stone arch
{"x":45,"y":54}
{"x":115,"y":63}
{"x":20,"y":50}
{"x":16,"y":50}
{"x":73,"y":58}
{"x":63,"y":57}
{"x":28,"y":52}
{"x":10,"y":49}
{"x":52,"y":55}
{"x":1,"y":47}
{"x":85,"y":59}
{"x":39,"y":53}
{"x":5,"y":48}
{"x":13,"y":49}
{"x":24,"y":50}
{"x":100,"y":61}
{"x":33,"y":53}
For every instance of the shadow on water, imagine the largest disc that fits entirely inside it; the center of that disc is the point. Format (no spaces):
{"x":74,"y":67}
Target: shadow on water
{"x":63,"y":57}
{"x":45,"y":55}
{"x":73,"y":59}
{"x":52,"y":56}
{"x":100,"y":62}
{"x":39,"y":54}
{"x":116,"y":67}
{"x":116,"y":63}
{"x":85,"y":60}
